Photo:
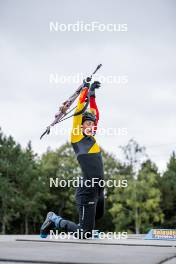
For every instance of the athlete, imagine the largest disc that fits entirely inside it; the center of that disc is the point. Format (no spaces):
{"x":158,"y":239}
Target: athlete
{"x":89,"y":195}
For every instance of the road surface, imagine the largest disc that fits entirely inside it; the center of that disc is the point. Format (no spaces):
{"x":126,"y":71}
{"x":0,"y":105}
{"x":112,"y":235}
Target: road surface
{"x":32,"y":249}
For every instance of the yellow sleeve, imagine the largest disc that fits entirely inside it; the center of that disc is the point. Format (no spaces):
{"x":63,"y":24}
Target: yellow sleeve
{"x":76,"y":133}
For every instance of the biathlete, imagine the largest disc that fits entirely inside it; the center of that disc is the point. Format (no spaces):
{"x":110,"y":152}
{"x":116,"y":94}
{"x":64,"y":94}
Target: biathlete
{"x":89,"y":197}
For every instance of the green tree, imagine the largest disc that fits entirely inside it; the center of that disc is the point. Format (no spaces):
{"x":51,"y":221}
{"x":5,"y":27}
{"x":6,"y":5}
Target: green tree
{"x":168,"y":190}
{"x":134,"y":155}
{"x":137,"y":207}
{"x":9,"y":152}
{"x":112,"y":168}
{"x":30,"y":186}
{"x":149,"y":197}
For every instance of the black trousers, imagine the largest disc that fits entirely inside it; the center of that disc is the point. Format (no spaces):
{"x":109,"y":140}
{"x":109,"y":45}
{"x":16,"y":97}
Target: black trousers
{"x":90,"y":207}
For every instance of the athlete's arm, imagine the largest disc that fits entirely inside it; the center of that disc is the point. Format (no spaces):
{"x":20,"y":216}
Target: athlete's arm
{"x":77,"y":120}
{"x":93,"y":105}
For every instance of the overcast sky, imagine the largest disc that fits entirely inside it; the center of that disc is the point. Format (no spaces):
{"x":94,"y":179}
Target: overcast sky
{"x":145,"y":55}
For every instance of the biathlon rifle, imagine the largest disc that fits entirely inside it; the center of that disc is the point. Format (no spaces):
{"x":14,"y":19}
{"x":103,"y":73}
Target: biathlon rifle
{"x":64,"y":109}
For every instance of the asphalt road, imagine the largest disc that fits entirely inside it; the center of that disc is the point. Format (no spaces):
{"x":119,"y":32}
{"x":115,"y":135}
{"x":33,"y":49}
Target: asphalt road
{"x":135,"y":250}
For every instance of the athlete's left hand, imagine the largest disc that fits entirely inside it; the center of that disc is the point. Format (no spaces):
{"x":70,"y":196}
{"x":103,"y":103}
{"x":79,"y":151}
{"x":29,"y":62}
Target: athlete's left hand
{"x":95,"y":85}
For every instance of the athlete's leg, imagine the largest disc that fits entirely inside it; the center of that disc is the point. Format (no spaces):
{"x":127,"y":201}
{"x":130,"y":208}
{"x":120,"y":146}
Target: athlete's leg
{"x":54,"y":221}
{"x":100,"y":208}
{"x":69,"y":226}
{"x":83,"y":229}
{"x":87,"y":218}
{"x":87,"y":212}
{"x":86,"y":204}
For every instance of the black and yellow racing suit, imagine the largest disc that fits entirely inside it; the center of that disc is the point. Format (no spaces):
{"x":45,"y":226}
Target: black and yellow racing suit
{"x":90,"y":200}
{"x":87,"y":150}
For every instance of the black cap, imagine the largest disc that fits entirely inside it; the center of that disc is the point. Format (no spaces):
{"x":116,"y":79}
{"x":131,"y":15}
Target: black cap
{"x":88,"y":116}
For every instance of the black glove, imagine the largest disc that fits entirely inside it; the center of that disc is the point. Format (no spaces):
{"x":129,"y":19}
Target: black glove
{"x":94,"y":85}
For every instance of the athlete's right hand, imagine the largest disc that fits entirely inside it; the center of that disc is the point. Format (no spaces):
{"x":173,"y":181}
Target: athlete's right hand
{"x":86,"y":83}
